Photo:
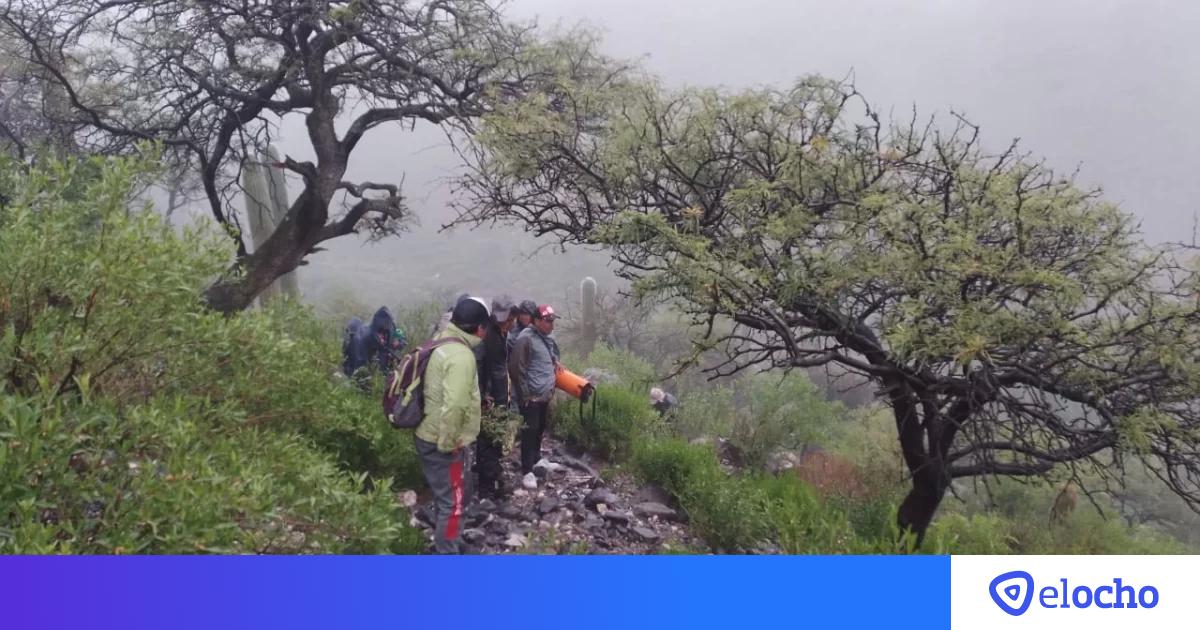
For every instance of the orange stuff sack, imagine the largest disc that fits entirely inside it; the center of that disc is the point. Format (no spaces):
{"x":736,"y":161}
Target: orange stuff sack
{"x":573,"y":384}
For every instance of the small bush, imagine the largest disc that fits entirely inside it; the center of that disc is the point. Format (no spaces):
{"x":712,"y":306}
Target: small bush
{"x":729,"y":513}
{"x":977,"y":534}
{"x":672,"y":464}
{"x":705,"y":412}
{"x":178,"y":476}
{"x":634,"y":372}
{"x":134,"y":421}
{"x":621,"y":416}
{"x":783,"y":413}
{"x":741,"y":513}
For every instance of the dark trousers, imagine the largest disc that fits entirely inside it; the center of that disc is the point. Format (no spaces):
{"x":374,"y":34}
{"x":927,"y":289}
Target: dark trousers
{"x":444,"y":472}
{"x":532,"y":428}
{"x":487,"y":463}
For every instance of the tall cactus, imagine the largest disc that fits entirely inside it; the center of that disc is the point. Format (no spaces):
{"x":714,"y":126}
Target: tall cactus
{"x":289,"y":283}
{"x":266,"y":206}
{"x":258,"y":213}
{"x":587,"y":299}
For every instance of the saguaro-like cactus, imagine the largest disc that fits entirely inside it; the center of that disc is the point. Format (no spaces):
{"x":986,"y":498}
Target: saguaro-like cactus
{"x":587,"y":299}
{"x":266,"y":205}
{"x":258,"y":213}
{"x":288,"y":284}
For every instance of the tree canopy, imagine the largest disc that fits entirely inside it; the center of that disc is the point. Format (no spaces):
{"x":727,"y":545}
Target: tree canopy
{"x":210,"y":81}
{"x":1016,"y":323}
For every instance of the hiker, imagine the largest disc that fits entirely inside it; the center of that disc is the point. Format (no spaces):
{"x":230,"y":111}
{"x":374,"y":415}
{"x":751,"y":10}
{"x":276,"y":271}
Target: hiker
{"x":450,"y":423}
{"x":533,"y":365}
{"x":493,"y":387}
{"x":381,"y":341}
{"x":525,"y":312}
{"x":662,"y":402}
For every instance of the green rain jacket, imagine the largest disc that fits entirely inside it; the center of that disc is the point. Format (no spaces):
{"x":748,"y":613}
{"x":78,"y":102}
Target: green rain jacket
{"x":452,"y":404}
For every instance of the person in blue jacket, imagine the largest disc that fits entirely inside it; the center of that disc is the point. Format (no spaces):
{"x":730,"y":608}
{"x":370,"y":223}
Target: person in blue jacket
{"x":381,"y":342}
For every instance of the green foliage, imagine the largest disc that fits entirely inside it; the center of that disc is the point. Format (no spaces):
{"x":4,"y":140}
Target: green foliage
{"x":705,"y":412}
{"x":868,"y":439}
{"x":976,"y":534}
{"x":739,"y":513}
{"x":500,"y":425}
{"x":763,"y":413}
{"x":621,"y":416}
{"x":179,"y":475}
{"x":1085,"y":533}
{"x":623,"y":410}
{"x":632,"y":370}
{"x":672,"y":464}
{"x":803,"y":523}
{"x":730,"y":513}
{"x":783,"y":413}
{"x":1012,"y":517}
{"x":134,"y":421}
{"x":75,"y":261}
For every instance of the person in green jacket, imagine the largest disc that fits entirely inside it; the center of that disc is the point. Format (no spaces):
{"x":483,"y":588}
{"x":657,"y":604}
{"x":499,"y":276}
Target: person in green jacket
{"x":451,"y":420}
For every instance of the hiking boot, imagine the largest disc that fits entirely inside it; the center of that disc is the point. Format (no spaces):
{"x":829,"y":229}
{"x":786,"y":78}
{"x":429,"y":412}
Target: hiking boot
{"x":498,"y":493}
{"x":529,"y":481}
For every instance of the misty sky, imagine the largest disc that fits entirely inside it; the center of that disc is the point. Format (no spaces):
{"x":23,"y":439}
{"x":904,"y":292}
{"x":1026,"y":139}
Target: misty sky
{"x":1110,"y":86}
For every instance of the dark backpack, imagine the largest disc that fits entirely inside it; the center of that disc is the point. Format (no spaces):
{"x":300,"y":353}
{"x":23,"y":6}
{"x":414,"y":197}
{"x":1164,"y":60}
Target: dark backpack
{"x":404,"y":394}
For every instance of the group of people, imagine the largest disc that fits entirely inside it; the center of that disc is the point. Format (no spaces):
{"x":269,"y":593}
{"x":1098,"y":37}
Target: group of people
{"x":507,"y":358}
{"x":493,"y":356}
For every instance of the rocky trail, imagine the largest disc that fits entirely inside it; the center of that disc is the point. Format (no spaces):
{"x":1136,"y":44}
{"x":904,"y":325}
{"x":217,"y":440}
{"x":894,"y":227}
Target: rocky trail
{"x":578,"y":507}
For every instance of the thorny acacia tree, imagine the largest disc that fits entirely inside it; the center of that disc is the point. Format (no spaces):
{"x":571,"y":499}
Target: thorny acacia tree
{"x":210,"y":81}
{"x":1013,"y":322}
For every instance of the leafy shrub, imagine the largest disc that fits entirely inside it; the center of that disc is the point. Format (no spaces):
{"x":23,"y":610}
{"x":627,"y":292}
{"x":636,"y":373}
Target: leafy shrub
{"x":135,"y":421}
{"x":705,"y":412}
{"x":740,"y":513}
{"x":92,"y":288}
{"x":500,"y":425}
{"x":621,"y":416}
{"x":975,"y":534}
{"x":177,"y":476}
{"x":671,"y":464}
{"x":783,"y":413}
{"x":872,"y":517}
{"x":730,"y":513}
{"x":633,"y":371}
{"x":868,"y":438}
{"x":1011,"y":516}
{"x":803,"y":522}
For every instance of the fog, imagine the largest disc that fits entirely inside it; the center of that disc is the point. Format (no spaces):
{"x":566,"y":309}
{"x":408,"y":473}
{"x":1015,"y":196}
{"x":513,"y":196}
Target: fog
{"x":1106,"y":86}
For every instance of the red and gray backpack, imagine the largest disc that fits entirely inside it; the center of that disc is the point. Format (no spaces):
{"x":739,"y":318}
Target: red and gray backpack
{"x":404,"y":394}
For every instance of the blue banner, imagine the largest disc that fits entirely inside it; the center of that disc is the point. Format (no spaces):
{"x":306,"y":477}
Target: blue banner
{"x":481,"y":592}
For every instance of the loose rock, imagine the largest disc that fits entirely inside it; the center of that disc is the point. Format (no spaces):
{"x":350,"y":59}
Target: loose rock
{"x":600,"y":495}
{"x":548,"y":505}
{"x":650,"y":509}
{"x":615,"y":516}
{"x":646,"y":534}
{"x":473,"y":536}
